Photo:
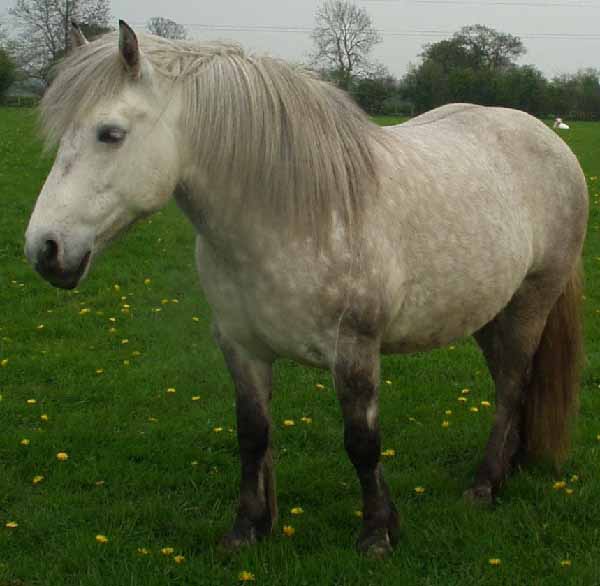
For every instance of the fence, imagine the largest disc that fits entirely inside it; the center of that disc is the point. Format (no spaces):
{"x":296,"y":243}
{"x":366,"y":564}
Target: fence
{"x":19,"y":101}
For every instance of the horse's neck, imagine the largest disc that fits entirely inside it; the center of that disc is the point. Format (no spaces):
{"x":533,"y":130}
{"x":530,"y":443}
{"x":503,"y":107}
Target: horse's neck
{"x":229,"y":235}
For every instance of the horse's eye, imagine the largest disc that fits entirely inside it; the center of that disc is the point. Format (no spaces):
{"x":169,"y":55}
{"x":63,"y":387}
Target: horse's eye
{"x":111,"y":134}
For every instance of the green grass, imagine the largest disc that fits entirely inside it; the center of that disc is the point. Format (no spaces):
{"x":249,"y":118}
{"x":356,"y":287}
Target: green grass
{"x":146,"y":468}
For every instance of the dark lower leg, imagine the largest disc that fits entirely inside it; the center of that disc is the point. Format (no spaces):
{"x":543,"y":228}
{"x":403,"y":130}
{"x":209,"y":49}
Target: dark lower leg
{"x":257,"y":508}
{"x":508,"y":344}
{"x":380,"y":518}
{"x":356,"y":379}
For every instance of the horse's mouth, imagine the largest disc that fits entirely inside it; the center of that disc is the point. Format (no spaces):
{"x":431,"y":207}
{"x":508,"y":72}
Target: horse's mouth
{"x":66,"y":279}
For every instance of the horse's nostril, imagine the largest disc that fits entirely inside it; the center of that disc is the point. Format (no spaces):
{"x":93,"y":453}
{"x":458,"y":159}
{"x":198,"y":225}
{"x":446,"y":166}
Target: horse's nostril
{"x":50,"y":252}
{"x":47,"y":258}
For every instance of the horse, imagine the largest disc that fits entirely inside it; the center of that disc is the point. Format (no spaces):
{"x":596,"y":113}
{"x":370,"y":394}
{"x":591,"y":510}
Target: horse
{"x":324,"y":238}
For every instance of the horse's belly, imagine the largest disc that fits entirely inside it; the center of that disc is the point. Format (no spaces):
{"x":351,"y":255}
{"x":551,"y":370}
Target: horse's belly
{"x":431,"y":318}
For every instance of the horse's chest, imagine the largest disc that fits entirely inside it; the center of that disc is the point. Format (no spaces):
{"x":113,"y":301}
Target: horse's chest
{"x":271,"y":309}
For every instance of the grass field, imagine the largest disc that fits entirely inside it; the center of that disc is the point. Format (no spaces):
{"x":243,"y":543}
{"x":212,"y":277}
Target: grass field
{"x":88,"y":373}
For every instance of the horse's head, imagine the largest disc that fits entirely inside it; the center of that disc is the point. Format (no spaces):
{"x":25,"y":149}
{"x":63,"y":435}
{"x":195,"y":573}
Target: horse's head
{"x":117,"y":161}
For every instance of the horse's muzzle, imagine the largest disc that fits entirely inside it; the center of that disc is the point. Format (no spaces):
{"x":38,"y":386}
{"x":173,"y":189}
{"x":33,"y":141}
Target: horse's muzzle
{"x":49,"y":261}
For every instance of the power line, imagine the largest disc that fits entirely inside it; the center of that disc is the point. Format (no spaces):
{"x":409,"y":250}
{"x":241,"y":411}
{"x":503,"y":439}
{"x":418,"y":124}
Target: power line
{"x":407,"y":33}
{"x":514,"y":3}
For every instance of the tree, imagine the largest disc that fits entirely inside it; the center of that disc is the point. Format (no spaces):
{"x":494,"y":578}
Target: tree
{"x":477,"y":47}
{"x":45,"y":27}
{"x":164,"y":27}
{"x":488,"y":48}
{"x":477,"y":64}
{"x":344,"y":37}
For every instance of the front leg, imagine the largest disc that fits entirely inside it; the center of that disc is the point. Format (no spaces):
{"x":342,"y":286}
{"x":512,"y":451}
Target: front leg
{"x":257,"y":510}
{"x":356,"y":375}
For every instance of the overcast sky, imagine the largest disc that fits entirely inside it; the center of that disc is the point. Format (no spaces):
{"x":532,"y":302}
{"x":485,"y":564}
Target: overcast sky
{"x":561,"y":36}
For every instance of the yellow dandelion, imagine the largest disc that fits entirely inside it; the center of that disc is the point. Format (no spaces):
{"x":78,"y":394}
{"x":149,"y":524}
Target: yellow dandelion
{"x":358,"y":514}
{"x":448,"y":412}
{"x":559,"y":485}
{"x":574,"y":478}
{"x":136,"y":353}
{"x":164,"y":301}
{"x":117,"y":287}
{"x":388,"y":382}
{"x":24,"y":442}
{"x":565,"y":563}
{"x":147,"y":281}
{"x":11,"y":525}
{"x":167,"y":551}
{"x":4,"y":362}
{"x":143,"y":551}
{"x":307,"y":420}
{"x":179,"y":559}
{"x":289,"y":422}
{"x":84,"y":311}
{"x":246,"y":576}
{"x":195,"y":318}
{"x":152,"y":419}
{"x":389,"y":453}
{"x":37,"y":479}
{"x":196,"y":398}
{"x":474,"y":409}
{"x":126,"y":363}
{"x":297,"y":511}
{"x":44,"y":417}
{"x":494,"y":561}
{"x":112,"y":330}
{"x":462,"y":399}
{"x":466,"y":391}
{"x":171,"y":390}
{"x":62,"y":456}
{"x":99,"y":370}
{"x":217,"y":429}
{"x":31,"y":401}
{"x":194,"y":462}
{"x":419,"y":489}
{"x":112,"y":319}
{"x":288,"y":530}
{"x":125,"y":341}
{"x":320,"y":386}
{"x":101,"y":538}
{"x":445,"y":424}
{"x":41,"y":327}
{"x":569,"y":491}
{"x":156,"y":309}
{"x":174,"y":300}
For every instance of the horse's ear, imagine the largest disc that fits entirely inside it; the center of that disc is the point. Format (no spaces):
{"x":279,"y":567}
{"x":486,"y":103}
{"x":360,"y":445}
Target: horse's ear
{"x":129,"y":49}
{"x":77,"y":37}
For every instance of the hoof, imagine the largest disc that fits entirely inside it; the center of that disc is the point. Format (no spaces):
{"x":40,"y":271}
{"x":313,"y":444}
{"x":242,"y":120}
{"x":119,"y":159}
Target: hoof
{"x":235,"y":540}
{"x":376,"y":546}
{"x":479,"y":495}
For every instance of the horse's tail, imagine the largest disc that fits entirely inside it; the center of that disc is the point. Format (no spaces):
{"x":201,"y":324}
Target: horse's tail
{"x":551,"y":398}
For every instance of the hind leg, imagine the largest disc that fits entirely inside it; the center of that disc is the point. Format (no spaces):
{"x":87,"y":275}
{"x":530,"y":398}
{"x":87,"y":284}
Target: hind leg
{"x":509,"y":343}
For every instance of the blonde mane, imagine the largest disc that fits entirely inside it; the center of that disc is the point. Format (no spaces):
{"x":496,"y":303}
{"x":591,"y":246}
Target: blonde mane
{"x":273,"y":136}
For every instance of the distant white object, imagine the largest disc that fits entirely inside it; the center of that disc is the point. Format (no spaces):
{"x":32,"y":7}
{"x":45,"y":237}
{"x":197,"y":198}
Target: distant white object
{"x":558,"y":123}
